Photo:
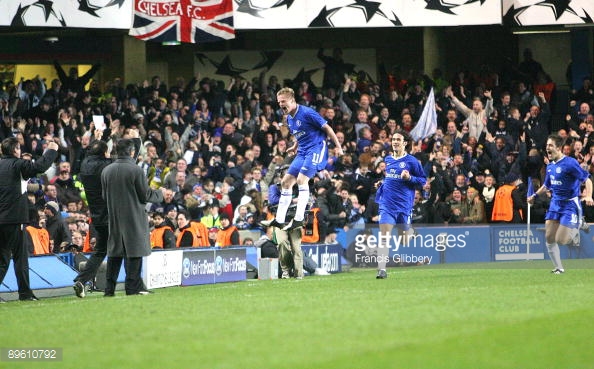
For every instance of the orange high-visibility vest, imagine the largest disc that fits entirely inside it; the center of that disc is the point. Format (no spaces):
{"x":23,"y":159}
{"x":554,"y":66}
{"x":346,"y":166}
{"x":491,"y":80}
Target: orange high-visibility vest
{"x":312,"y":235}
{"x":157,"y":237}
{"x":503,"y":204}
{"x":181,"y":235}
{"x":41,"y":240}
{"x":87,"y":241}
{"x":224,"y":237}
{"x":200,"y":234}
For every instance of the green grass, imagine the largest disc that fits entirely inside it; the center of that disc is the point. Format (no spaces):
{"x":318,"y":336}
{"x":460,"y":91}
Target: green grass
{"x":516,"y":315}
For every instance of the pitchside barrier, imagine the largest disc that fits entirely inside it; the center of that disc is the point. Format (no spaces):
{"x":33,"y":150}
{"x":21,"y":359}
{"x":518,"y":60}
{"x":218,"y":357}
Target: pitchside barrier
{"x":457,"y":244}
{"x":52,"y":275}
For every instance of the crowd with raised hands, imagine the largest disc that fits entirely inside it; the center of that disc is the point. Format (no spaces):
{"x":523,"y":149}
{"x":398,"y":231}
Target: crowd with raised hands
{"x":217,"y":146}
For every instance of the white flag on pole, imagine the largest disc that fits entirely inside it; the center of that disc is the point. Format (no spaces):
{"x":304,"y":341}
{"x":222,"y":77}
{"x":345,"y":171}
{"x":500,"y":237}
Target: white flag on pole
{"x":427,"y":124}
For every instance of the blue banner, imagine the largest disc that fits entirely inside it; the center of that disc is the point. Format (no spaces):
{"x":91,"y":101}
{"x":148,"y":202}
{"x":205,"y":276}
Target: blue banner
{"x":326,"y":256}
{"x":198,"y":267}
{"x":230,"y":265}
{"x":515,"y":242}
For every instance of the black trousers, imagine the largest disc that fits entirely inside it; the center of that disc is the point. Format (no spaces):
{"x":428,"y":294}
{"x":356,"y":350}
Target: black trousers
{"x":11,"y":245}
{"x":132,"y":266}
{"x":98,"y":256}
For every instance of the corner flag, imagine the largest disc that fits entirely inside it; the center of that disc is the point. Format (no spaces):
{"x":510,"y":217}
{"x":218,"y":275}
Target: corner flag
{"x":530,"y":188}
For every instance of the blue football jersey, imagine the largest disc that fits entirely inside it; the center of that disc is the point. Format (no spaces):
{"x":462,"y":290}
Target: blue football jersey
{"x":397,"y":195}
{"x":564,"y":178}
{"x":306,"y":127}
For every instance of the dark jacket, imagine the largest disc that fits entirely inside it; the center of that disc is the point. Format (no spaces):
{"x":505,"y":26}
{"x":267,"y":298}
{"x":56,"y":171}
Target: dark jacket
{"x":75,"y":84}
{"x":126,"y":192}
{"x":14,"y":205}
{"x":330,"y":208}
{"x":58,"y":231}
{"x":90,"y":176}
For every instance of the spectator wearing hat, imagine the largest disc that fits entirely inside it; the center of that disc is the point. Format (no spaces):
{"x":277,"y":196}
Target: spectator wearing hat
{"x":509,"y":202}
{"x":198,"y":192}
{"x":212,"y":217}
{"x":477,"y":180}
{"x":228,"y":234}
{"x":56,"y":226}
{"x":212,"y":236}
{"x":252,"y":223}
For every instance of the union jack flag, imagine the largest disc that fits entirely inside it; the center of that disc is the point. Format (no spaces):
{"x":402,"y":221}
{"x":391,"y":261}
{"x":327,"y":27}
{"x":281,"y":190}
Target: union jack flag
{"x":192,"y":21}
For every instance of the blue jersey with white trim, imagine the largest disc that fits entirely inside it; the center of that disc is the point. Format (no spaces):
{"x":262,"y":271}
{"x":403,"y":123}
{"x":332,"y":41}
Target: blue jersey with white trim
{"x":306,"y":127}
{"x":564,"y":178}
{"x":397,"y":195}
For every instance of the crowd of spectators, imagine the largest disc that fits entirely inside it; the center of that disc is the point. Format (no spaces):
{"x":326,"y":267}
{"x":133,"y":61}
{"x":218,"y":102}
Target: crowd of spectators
{"x":217,"y":147}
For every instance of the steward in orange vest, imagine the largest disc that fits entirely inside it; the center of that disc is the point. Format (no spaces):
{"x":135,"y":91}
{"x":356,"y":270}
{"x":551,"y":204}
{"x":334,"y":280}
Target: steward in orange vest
{"x":228,"y":235}
{"x":162,"y":237}
{"x":201,"y":233}
{"x":193,"y":234}
{"x":508,"y":203}
{"x":87,"y":242}
{"x":37,"y":240}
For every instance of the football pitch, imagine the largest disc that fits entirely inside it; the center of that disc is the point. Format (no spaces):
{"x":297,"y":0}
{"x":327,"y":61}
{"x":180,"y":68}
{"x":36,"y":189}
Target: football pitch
{"x":495,"y":315}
